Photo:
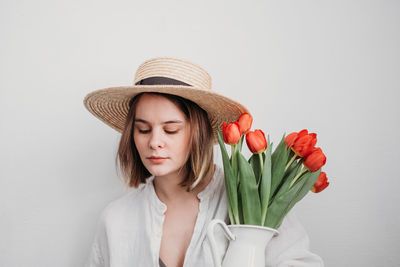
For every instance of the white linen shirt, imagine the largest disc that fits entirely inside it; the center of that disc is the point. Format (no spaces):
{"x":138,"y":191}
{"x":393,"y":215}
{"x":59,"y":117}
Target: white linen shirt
{"x":129,"y":231}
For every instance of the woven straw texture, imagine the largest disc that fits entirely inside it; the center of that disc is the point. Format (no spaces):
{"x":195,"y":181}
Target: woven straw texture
{"x":111,"y":105}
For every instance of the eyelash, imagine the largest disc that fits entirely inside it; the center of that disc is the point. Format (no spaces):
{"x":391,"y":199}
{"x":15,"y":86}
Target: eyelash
{"x":147,"y":131}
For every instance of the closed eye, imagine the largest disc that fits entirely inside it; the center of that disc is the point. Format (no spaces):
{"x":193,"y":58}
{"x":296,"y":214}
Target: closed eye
{"x":147,"y":131}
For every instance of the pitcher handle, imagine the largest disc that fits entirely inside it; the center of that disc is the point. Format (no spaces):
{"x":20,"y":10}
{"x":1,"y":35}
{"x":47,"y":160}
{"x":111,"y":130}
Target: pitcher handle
{"x":213,"y":243}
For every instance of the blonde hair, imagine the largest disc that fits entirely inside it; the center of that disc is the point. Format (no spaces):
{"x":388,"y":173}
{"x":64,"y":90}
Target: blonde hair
{"x":200,"y":161}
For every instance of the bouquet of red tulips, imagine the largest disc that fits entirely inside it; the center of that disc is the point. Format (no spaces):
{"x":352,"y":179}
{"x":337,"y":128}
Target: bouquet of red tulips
{"x":263,"y":189}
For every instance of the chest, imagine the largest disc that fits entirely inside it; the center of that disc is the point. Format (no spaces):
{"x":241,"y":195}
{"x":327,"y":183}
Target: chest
{"x":177,"y":232}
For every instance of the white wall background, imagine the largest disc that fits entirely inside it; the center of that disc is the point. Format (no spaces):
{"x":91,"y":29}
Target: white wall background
{"x":329,"y":66}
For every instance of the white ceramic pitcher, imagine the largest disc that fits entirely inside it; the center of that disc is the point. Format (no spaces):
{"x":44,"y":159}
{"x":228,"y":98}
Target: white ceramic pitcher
{"x":246,"y":247}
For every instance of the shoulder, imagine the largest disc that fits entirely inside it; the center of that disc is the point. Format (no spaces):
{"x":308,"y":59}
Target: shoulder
{"x":219,"y":170}
{"x":219,"y":177}
{"x":216,"y":189}
{"x":125,"y":204}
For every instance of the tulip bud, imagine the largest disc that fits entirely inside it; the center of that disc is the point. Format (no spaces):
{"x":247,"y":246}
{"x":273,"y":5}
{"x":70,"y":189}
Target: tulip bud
{"x":256,"y":141}
{"x":231,"y":133}
{"x":290,"y":138}
{"x":321,"y":183}
{"x":304,"y":143}
{"x":245,"y":120}
{"x":315,"y":160}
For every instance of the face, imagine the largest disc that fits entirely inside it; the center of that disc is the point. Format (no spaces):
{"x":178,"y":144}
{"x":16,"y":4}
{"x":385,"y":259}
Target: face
{"x":161,"y":135}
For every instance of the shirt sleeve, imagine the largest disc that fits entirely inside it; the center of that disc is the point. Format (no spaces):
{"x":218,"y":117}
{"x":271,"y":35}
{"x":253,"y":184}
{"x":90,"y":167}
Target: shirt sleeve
{"x":98,"y":256}
{"x":291,"y":246}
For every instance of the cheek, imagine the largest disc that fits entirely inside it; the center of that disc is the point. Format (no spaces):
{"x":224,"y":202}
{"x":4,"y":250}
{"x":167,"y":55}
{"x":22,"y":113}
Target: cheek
{"x":139,"y":143}
{"x":183,"y":147}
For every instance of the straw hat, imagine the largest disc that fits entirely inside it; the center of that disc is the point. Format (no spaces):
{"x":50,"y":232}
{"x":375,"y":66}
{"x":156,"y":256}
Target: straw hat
{"x":165,"y":75}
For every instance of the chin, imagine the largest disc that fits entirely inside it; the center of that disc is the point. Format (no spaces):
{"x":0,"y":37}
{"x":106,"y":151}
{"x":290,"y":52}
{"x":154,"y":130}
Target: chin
{"x":160,"y":170}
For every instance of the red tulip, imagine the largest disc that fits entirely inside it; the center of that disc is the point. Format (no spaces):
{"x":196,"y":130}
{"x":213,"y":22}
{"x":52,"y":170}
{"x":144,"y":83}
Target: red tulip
{"x":256,"y":141}
{"x":304,"y":143}
{"x":231,"y":133}
{"x":290,"y":138}
{"x":315,"y":160}
{"x":321,"y":183}
{"x":245,"y":120}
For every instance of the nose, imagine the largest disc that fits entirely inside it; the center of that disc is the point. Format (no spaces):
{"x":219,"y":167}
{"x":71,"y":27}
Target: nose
{"x":156,"y":140}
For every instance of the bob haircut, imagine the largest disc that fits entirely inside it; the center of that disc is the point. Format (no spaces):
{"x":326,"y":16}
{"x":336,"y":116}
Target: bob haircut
{"x":200,"y":161}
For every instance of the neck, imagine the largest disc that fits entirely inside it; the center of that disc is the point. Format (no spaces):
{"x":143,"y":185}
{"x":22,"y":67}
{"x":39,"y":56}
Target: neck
{"x":168,"y":189}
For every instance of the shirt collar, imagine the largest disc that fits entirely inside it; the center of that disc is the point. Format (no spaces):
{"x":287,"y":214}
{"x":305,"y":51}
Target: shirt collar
{"x":203,"y":195}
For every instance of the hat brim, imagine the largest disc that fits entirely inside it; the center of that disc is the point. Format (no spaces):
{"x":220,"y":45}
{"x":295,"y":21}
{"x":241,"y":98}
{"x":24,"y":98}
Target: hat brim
{"x":111,"y":105}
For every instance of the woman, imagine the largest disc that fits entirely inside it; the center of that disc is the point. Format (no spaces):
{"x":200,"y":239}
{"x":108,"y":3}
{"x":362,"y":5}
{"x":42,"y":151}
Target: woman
{"x":168,"y":120}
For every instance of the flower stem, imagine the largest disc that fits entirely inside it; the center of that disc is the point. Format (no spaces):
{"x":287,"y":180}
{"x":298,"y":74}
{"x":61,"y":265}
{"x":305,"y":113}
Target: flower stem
{"x":290,"y":162}
{"x":234,"y":163}
{"x":260,"y":156}
{"x":303,"y":170}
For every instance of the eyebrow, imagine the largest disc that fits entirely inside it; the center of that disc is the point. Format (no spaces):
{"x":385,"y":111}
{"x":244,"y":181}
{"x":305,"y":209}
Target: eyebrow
{"x":165,"y":122}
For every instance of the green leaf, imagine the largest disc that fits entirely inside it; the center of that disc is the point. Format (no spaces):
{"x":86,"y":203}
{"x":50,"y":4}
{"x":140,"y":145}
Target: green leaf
{"x":240,"y":208}
{"x":293,"y":164}
{"x":290,"y":173}
{"x":230,"y":181}
{"x":240,"y":144}
{"x":285,"y":202}
{"x":234,"y":162}
{"x":275,"y":154}
{"x":249,"y":193}
{"x":310,"y":179}
{"x":279,"y":161}
{"x":254,"y":161}
{"x":265,"y":186}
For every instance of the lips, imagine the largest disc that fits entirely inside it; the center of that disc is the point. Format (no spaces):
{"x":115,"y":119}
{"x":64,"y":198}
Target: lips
{"x":157,"y":160}
{"x":155,"y":157}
